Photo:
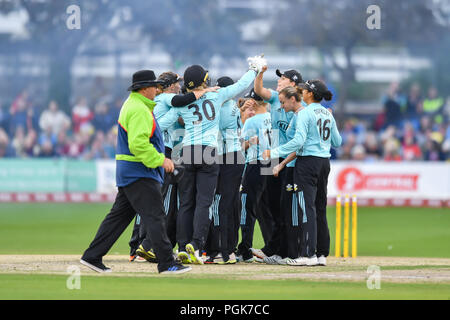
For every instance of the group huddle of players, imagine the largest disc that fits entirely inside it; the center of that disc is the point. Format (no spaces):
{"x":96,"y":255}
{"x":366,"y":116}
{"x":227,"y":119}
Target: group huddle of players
{"x":240,"y":158}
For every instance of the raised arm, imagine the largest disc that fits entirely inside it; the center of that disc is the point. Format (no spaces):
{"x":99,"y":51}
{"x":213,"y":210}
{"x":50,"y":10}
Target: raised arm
{"x":236,"y":88}
{"x":259,"y":86}
{"x":256,"y":65}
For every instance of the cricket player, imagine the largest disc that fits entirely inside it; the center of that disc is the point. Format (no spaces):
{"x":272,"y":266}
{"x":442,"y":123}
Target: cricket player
{"x":316,"y":132}
{"x":225,"y":208}
{"x":257,"y":138}
{"x":199,"y":156}
{"x":280,"y":122}
{"x":291,"y":101}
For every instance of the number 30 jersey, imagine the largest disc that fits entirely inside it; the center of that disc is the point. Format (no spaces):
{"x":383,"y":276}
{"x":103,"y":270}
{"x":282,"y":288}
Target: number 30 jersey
{"x":316,"y":132}
{"x":201,"y":118}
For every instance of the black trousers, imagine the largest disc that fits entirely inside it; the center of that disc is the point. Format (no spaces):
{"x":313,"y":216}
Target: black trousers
{"x":273,"y":195}
{"x":137,"y":236}
{"x":196,"y":190}
{"x":254,"y":207}
{"x":292,"y":221}
{"x":170,"y":200}
{"x":224,"y":231}
{"x":143,"y":196}
{"x":311,"y":178}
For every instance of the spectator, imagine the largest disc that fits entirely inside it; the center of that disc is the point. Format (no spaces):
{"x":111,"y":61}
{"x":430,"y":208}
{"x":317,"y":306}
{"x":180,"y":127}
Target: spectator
{"x":31,"y":148}
{"x":97,"y":148}
{"x":54,"y":119}
{"x":393,"y":104}
{"x":411,"y":150}
{"x":62,"y":144}
{"x":372,"y":147}
{"x":388,"y":134}
{"x":414,"y":105}
{"x":20,"y":103}
{"x":359,"y":153}
{"x":391,"y":150}
{"x":433,"y":150}
{"x":348,"y":130}
{"x":103,"y":119}
{"x":115,"y":110}
{"x":18,"y":114}
{"x":111,"y":142}
{"x":4,"y":118}
{"x":433,"y":105}
{"x":32,"y":118}
{"x":446,"y":144}
{"x":46,"y":150}
{"x":18,"y":142}
{"x":76,"y":146}
{"x":345,"y":152}
{"x":47,"y":136}
{"x":5,"y":148}
{"x":81,"y":114}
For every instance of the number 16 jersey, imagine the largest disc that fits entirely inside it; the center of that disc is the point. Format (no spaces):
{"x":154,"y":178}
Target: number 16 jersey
{"x":316,"y":132}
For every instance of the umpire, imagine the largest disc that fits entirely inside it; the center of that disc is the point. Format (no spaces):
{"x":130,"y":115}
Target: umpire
{"x":140,"y":165}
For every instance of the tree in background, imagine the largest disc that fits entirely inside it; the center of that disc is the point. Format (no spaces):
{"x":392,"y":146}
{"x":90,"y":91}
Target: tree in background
{"x":340,"y":26}
{"x":50,"y":35}
{"x":193,"y":31}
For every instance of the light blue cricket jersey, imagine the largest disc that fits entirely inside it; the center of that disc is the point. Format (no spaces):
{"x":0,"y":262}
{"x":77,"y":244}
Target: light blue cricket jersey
{"x":230,"y":125}
{"x":290,"y":133}
{"x":201,"y":118}
{"x":280,"y":120}
{"x":315,"y":133}
{"x":163,"y":106}
{"x":259,"y":125}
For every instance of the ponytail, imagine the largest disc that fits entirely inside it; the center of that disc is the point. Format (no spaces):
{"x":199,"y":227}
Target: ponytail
{"x":328,"y":95}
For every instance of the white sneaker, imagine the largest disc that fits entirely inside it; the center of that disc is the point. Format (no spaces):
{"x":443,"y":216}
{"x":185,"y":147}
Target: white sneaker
{"x":303,"y":261}
{"x":284,"y":261}
{"x":322,"y":261}
{"x":258,"y":253}
{"x":240,"y":258}
{"x":300,"y":261}
{"x":312,"y":261}
{"x":272,"y":259}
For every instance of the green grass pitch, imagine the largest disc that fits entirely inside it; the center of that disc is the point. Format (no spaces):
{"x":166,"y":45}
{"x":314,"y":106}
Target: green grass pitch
{"x":69,"y":228}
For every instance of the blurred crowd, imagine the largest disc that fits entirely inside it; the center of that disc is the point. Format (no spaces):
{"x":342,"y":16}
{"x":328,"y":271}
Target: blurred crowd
{"x":88,"y":132}
{"x":413,"y":126}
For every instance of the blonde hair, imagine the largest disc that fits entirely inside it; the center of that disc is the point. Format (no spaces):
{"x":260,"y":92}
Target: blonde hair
{"x":290,"y":92}
{"x":200,"y":87}
{"x":241,"y":102}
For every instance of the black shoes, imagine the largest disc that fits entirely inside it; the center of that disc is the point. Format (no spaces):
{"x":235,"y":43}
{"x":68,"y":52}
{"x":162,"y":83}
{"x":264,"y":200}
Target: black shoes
{"x":97,"y":266}
{"x":176,"y":268}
